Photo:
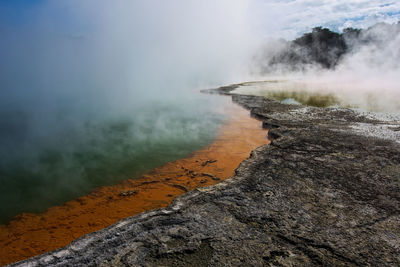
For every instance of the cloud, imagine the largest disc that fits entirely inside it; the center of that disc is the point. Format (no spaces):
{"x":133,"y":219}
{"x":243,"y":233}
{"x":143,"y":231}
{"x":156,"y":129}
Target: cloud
{"x":290,"y":18}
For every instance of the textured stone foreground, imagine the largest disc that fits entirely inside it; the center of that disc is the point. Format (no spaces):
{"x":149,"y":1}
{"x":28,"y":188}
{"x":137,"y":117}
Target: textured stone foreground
{"x":325,"y":192}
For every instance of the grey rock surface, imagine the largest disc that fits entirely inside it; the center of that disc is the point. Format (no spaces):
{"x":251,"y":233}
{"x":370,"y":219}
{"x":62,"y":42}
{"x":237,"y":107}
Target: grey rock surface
{"x":321,"y":193}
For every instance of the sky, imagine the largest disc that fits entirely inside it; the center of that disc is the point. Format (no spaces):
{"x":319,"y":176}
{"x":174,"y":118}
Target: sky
{"x":279,"y":18}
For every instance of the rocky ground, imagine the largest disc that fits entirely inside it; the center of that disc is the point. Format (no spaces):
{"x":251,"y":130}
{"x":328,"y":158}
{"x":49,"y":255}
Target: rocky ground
{"x":326,"y":191}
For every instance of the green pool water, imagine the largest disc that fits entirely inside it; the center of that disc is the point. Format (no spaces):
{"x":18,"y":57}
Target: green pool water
{"x":46,"y":171}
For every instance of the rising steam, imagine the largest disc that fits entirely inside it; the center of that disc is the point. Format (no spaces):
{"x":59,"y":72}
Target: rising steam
{"x":96,"y":91}
{"x":360,"y":66}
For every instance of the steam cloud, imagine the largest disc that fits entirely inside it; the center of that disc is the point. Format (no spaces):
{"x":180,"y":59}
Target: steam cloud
{"x":363,"y":70}
{"x":68,"y":62}
{"x":97,"y":55}
{"x":88,"y":86}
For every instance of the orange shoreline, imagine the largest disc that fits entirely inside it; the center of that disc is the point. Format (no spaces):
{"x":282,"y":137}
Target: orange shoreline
{"x":28,"y":235}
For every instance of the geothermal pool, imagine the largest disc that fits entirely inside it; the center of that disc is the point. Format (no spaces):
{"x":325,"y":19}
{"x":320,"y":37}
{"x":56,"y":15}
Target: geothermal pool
{"x":32,"y":234}
{"x":43,"y":164}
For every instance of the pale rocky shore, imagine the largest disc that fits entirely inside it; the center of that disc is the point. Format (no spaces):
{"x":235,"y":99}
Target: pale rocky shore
{"x":326,"y":191}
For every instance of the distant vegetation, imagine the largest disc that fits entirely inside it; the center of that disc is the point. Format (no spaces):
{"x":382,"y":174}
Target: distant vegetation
{"x":323,"y":48}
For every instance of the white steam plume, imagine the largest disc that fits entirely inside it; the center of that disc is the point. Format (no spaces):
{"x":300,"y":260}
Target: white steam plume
{"x":367,"y":76}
